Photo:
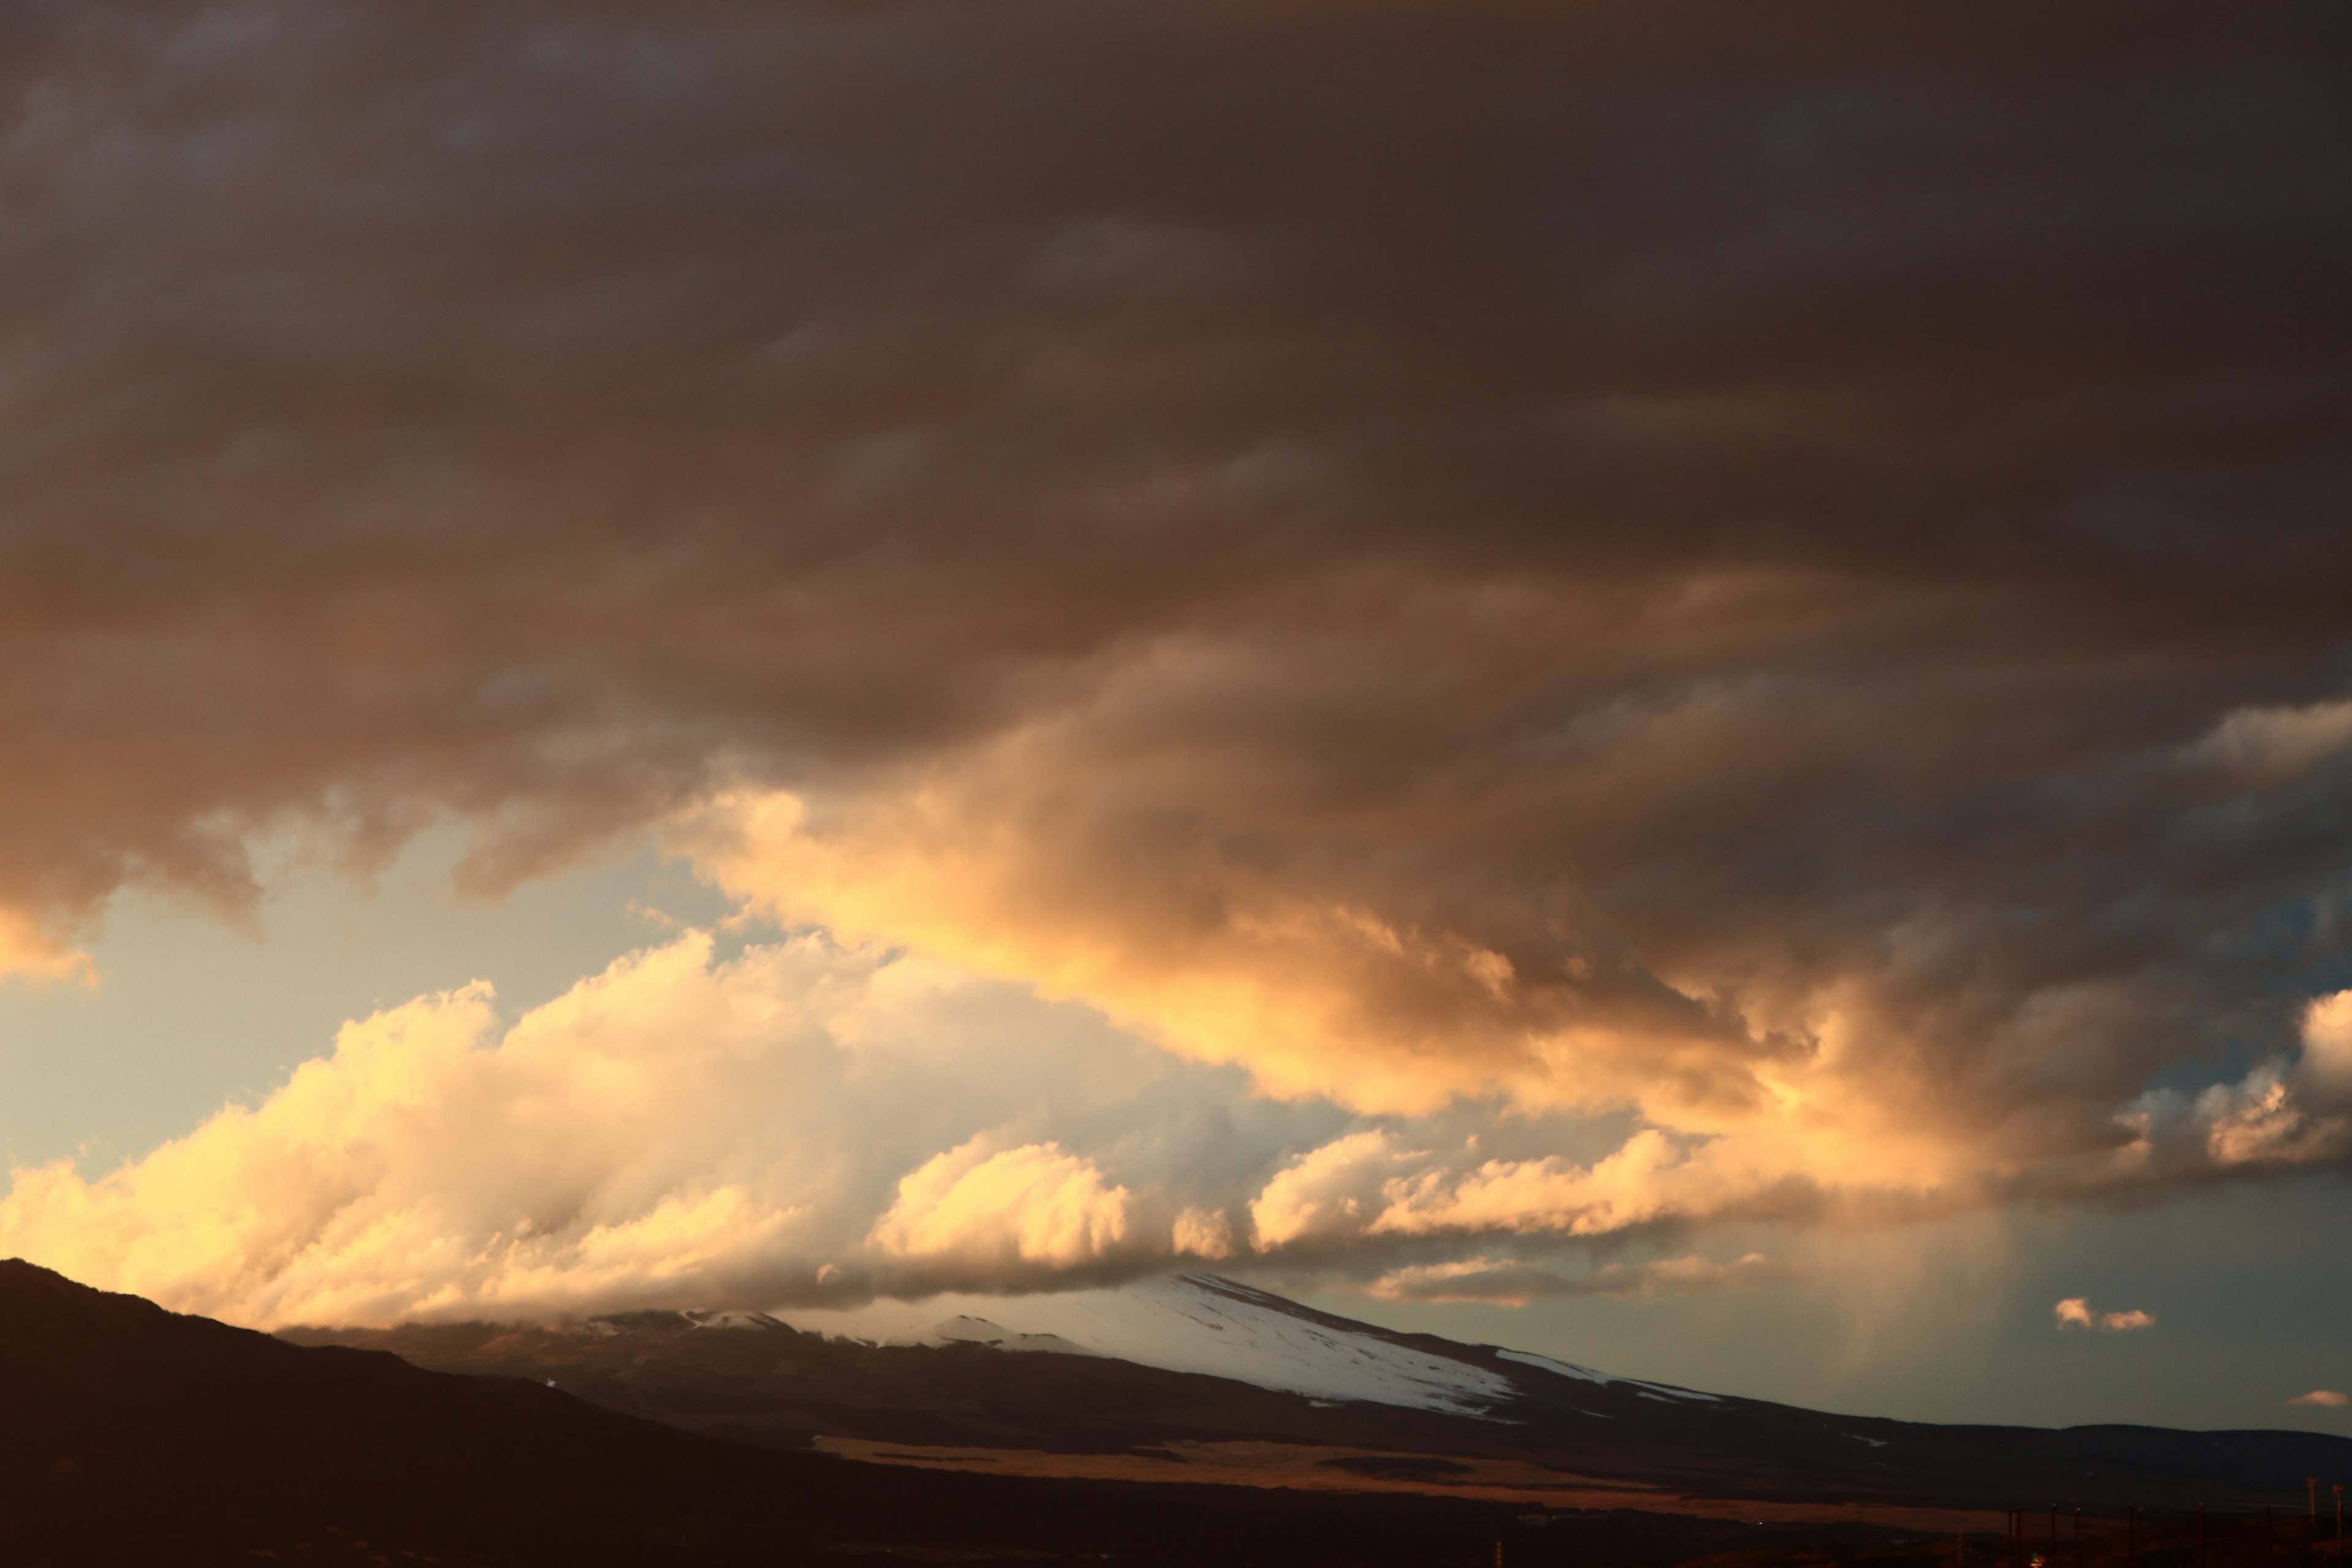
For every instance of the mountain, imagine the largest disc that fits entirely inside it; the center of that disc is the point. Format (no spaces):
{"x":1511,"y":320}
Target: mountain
{"x":132,"y":1436}
{"x":1196,"y":1377}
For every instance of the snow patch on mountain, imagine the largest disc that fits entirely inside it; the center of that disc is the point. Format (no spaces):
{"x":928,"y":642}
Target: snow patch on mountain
{"x":1196,"y":1323}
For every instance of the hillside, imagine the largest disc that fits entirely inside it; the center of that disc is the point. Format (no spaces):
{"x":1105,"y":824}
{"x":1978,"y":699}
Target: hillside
{"x":138,"y":1437}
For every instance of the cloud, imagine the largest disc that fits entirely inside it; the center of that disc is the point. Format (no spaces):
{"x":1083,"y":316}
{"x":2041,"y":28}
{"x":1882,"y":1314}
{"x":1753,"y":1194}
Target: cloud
{"x":2259,"y":1120}
{"x":1331,"y":1191}
{"x":1687,"y":1277}
{"x":1035,"y":1204}
{"x":2274,"y":746}
{"x":800,"y":1123}
{"x":2327,"y":1397}
{"x":29,"y":951}
{"x":1498,"y":1282}
{"x":1776,"y":655}
{"x":797,"y":1123}
{"x":2074,"y":1312}
{"x":808,"y":1122}
{"x":1505,"y":1283}
{"x":1203,"y":1233}
{"x":2326,"y":1064}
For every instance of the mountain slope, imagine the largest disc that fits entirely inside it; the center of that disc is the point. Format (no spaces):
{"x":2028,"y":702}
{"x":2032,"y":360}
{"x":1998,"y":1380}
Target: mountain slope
{"x":133,"y":1435}
{"x":1199,"y":1360}
{"x":1198,"y":1324}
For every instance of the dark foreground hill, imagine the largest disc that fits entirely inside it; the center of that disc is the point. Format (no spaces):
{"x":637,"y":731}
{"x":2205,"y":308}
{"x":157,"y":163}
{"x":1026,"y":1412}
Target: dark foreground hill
{"x":133,"y":1435}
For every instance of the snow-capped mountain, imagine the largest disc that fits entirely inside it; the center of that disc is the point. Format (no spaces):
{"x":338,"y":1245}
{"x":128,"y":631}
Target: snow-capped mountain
{"x":1221,"y":1327}
{"x":1197,"y":1323}
{"x":137,"y":1437}
{"x":1186,"y":1364}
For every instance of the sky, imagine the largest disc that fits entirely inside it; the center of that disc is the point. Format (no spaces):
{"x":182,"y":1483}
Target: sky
{"x":1667,"y":682}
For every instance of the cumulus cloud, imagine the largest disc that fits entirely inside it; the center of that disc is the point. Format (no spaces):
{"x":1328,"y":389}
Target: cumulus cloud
{"x":2075,"y":1312}
{"x":1786,"y":638}
{"x":797,"y":1123}
{"x":1032,"y":1205}
{"x":2283,"y":1114}
{"x":2326,"y":1397}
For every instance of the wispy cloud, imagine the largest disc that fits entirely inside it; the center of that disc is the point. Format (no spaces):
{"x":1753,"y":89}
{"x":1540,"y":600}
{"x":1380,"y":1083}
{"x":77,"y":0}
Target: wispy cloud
{"x":2327,"y":1397}
{"x":1508,"y":1283}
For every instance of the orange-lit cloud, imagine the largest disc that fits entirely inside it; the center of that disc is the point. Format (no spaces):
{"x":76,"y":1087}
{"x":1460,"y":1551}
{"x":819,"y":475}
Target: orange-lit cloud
{"x":1037,"y":1203}
{"x":1767,"y":658}
{"x":796,"y":1123}
{"x":806,"y":1122}
{"x":27,"y":952}
{"x":2325,"y":1398}
{"x":2075,"y":1312}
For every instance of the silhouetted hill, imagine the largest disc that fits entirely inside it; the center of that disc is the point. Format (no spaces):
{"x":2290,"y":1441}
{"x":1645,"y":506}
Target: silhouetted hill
{"x":134,"y":1435}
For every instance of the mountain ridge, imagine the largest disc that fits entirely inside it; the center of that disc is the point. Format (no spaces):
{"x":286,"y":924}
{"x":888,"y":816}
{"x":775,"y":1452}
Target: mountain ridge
{"x":1236,"y":1364}
{"x":137,"y":1436}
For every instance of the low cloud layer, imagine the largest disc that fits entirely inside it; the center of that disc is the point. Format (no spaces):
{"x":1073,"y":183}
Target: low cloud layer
{"x":805,"y":1123}
{"x":798,"y":1123}
{"x":1625,"y":615}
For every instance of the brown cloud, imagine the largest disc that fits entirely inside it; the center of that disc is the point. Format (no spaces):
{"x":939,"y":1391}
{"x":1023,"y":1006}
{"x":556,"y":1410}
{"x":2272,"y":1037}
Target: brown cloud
{"x":1778,"y":568}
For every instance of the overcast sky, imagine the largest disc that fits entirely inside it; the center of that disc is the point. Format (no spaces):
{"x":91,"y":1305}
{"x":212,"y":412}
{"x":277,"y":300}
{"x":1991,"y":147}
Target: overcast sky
{"x":1667,"y":679}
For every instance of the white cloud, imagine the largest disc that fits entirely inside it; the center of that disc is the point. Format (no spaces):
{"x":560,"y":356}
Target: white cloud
{"x":1330,"y":1192}
{"x":1203,"y":1233}
{"x":1037,"y":1203}
{"x":673,"y":1131}
{"x":802,"y":1122}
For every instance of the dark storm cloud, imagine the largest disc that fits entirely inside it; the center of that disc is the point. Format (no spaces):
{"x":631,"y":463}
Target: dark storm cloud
{"x":1642,"y":551}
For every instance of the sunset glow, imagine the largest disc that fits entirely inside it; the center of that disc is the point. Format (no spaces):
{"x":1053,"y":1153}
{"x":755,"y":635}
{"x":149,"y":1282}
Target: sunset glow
{"x":1676,"y":673}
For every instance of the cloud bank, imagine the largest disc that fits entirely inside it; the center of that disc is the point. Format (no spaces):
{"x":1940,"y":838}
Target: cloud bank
{"x":805,"y":1123}
{"x":795,"y":1123}
{"x":1643,"y":614}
